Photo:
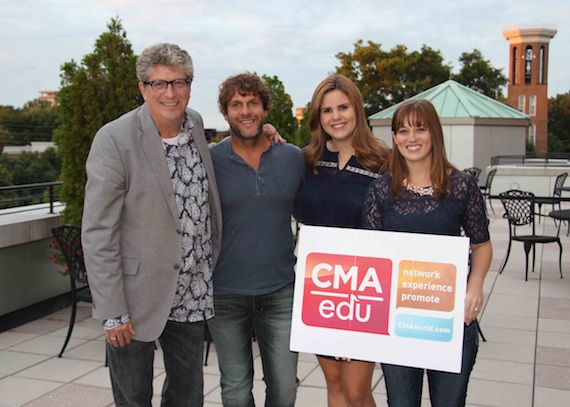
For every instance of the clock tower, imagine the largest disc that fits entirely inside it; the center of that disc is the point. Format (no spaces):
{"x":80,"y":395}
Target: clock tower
{"x":528,"y":76}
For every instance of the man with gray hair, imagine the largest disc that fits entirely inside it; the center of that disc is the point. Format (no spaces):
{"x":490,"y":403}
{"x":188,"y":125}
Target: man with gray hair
{"x":151,"y":234}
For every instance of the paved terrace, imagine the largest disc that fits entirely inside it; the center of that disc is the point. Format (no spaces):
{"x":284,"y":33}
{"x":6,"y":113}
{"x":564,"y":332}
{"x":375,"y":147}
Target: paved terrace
{"x":525,"y":361}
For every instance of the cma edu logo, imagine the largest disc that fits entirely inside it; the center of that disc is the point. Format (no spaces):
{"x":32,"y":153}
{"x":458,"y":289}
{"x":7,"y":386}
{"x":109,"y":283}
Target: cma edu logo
{"x":347,"y":292}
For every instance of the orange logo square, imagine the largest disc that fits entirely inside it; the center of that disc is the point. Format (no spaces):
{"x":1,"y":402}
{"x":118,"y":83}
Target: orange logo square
{"x":426,"y":285}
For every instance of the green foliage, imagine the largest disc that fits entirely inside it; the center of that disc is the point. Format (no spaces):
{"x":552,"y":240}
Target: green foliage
{"x":5,"y":176}
{"x":4,"y":137}
{"x":530,"y":147}
{"x":33,"y":167}
{"x":303,"y":133}
{"x":99,"y":89}
{"x":7,"y":198}
{"x":5,"y":134}
{"x":559,"y":123}
{"x":28,"y":168}
{"x":281,"y":114}
{"x":389,"y":77}
{"x":36,"y":121}
{"x":478,"y":74}
{"x":555,"y":145}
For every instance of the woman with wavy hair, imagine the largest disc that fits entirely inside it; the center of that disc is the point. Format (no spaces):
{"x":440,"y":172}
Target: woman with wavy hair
{"x":343,"y":157}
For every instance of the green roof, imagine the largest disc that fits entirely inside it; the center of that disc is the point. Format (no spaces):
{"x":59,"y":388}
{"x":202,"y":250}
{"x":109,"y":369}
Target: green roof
{"x":452,"y":99}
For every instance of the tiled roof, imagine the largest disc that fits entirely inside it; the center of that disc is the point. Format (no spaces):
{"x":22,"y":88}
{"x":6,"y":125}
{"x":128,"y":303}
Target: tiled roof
{"x":452,"y":99}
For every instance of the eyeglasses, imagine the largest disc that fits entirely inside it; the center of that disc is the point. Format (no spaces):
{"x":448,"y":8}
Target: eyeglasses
{"x":160,"y":85}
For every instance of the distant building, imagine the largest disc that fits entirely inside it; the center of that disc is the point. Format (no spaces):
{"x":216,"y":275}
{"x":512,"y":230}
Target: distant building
{"x":34,"y":147}
{"x":49,"y":96}
{"x":528,"y":76}
{"x":299,"y":113}
{"x":475,"y":127}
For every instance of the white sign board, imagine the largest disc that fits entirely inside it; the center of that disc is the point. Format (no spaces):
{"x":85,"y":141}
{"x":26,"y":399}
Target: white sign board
{"x":379,"y":296}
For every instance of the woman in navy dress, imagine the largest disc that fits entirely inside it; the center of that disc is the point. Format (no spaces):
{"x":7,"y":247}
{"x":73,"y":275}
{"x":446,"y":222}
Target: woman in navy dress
{"x":342,"y":158}
{"x":424,"y":193}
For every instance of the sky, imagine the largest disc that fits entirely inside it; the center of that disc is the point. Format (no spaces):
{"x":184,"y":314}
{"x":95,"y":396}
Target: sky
{"x":294,"y":40}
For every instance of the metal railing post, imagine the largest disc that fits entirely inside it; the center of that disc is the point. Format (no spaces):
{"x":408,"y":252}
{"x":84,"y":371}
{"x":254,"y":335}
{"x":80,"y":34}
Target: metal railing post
{"x":21,"y":201}
{"x":51,"y":199}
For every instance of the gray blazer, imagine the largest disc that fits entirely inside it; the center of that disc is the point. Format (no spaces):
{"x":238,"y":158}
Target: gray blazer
{"x":130,"y":223}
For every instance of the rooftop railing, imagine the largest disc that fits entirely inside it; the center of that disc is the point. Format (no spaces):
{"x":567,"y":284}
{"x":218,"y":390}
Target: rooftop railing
{"x":23,"y":197}
{"x":534,"y":160}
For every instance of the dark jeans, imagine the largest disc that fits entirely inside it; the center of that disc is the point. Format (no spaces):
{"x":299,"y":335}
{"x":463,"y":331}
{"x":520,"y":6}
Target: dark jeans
{"x":237,"y":317}
{"x":131,"y":368}
{"x":404,"y":384}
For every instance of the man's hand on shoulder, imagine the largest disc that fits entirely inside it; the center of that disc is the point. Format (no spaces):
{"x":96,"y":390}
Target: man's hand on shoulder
{"x":272,"y":134}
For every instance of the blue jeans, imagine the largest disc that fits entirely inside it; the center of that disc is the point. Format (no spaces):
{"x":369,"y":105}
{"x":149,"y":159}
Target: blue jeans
{"x":269,"y":316}
{"x":404,"y":384}
{"x":131,"y":368}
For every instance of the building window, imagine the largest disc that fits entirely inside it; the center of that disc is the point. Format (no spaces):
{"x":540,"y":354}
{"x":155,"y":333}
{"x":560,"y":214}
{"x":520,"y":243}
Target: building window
{"x":515,"y":61}
{"x":541,"y":74}
{"x":532,"y":105}
{"x":532,"y":134}
{"x":521,"y":103}
{"x":528,"y":64}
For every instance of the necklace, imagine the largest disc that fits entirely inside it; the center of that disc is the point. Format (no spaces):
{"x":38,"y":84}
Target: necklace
{"x":423,"y":191}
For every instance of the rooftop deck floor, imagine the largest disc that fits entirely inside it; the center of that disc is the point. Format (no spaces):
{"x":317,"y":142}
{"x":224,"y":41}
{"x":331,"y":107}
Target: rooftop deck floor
{"x":524,"y":362}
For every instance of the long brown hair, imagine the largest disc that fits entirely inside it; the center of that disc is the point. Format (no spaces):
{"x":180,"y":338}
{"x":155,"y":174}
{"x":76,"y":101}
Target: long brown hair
{"x":420,"y":112}
{"x":370,"y":151}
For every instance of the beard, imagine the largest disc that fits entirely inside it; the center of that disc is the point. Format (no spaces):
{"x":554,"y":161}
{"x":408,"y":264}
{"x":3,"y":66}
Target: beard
{"x":251,"y":135}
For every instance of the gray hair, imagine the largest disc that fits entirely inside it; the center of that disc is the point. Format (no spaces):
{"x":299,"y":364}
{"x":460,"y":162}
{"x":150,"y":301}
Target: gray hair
{"x":170,"y":55}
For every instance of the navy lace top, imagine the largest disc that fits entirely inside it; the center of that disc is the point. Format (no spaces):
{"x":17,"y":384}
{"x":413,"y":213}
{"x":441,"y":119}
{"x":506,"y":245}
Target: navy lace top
{"x":334,"y":197}
{"x":463,"y":208}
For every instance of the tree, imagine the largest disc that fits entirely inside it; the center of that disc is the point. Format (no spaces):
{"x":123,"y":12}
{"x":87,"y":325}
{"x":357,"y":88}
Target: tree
{"x":559,"y":123}
{"x":281,"y":115}
{"x":34,"y":167}
{"x":8,"y":122}
{"x":36,"y":121}
{"x":99,"y":89}
{"x":6,"y":197}
{"x":4,"y":137}
{"x":28,"y":168}
{"x":303,"y":133}
{"x":389,"y":77}
{"x":5,"y":176}
{"x":478,"y":74}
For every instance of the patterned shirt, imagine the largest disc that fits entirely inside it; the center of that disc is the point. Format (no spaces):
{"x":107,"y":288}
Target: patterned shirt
{"x":194,"y":294}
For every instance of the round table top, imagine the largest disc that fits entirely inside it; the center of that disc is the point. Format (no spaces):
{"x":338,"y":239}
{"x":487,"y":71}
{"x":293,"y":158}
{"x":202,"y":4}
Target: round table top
{"x":563,"y":214}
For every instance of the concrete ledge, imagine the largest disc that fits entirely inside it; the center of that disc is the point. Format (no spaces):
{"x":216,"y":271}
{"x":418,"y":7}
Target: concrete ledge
{"x":539,"y":180}
{"x":27,"y":275}
{"x":20,"y":227}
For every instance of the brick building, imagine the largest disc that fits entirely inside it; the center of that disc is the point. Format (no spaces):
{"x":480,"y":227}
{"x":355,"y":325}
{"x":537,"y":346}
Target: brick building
{"x":49,"y":96}
{"x":528,"y":76}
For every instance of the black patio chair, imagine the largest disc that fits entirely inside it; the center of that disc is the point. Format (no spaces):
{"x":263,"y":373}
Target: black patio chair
{"x":462,"y":232}
{"x":68,"y":237}
{"x":479,"y":330}
{"x":519,"y":211}
{"x":486,"y":189}
{"x":208,"y":340}
{"x":475,"y":171}
{"x":555,"y":200}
